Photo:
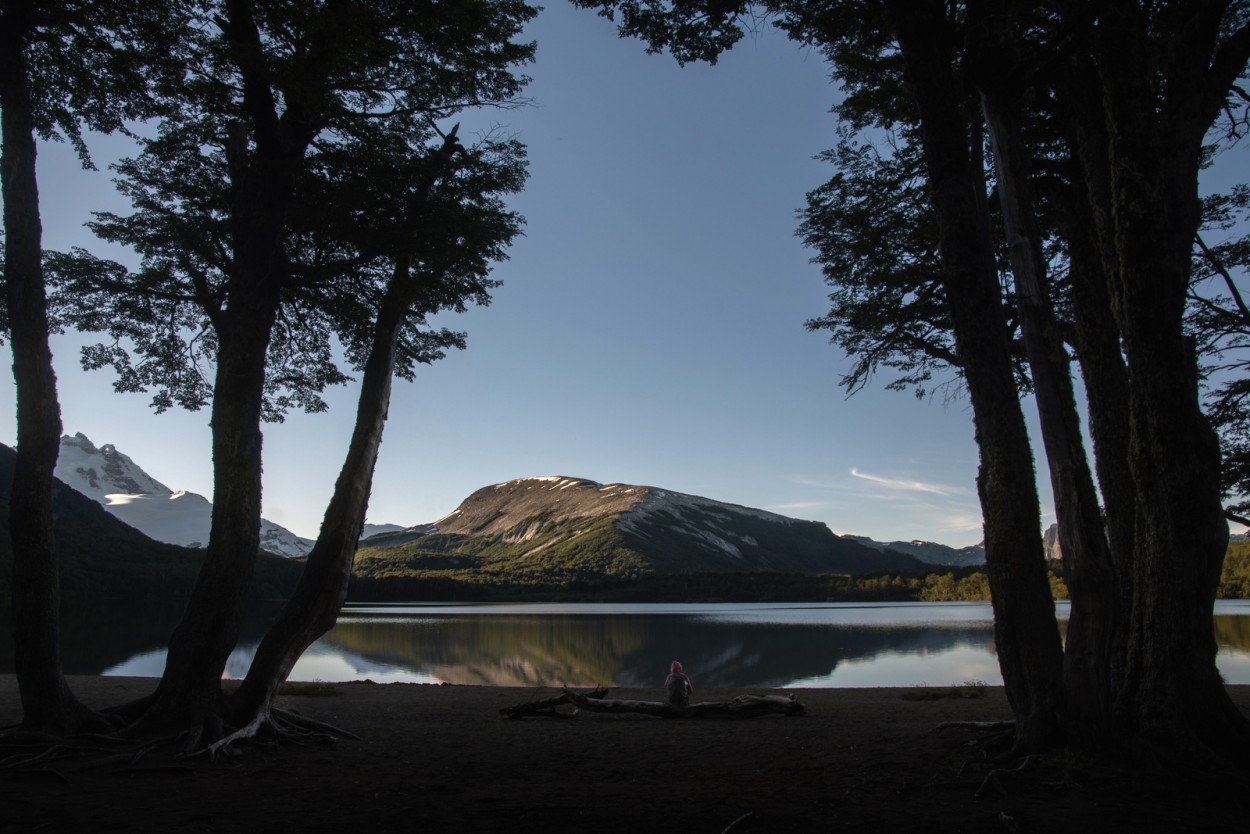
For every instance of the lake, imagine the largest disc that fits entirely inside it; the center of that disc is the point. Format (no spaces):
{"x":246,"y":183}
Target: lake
{"x":739,"y":645}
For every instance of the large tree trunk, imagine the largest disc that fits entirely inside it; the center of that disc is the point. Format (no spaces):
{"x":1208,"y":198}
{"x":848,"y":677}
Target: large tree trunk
{"x":189,"y":692}
{"x":1087,"y":560}
{"x":47,"y":703}
{"x":1097,"y":342}
{"x":1025,"y":629}
{"x":318,"y":598}
{"x":322,"y":588}
{"x":1173,"y":695}
{"x":262,"y":184}
{"x":1106,"y":385}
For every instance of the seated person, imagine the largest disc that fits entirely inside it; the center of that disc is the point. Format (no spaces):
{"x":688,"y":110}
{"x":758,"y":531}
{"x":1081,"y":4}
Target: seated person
{"x":678,"y":685}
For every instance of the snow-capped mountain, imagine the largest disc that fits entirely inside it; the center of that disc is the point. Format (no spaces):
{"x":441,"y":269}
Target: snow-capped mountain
{"x":584,"y":529}
{"x":178,"y":517}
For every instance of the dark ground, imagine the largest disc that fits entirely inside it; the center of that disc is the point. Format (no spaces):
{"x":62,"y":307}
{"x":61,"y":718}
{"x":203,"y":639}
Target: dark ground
{"x":439,"y":758}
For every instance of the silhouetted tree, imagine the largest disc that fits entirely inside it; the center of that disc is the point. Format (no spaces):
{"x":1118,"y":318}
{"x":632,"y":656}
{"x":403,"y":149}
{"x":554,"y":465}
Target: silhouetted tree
{"x":451,"y":226}
{"x":260,"y":234}
{"x":1026,"y":633}
{"x":63,"y":65}
{"x":1134,"y":89}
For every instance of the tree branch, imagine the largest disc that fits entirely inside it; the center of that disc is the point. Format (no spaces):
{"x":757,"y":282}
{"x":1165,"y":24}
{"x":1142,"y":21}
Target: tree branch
{"x":1223,"y":272}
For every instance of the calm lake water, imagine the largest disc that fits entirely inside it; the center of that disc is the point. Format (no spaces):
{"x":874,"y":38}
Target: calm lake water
{"x":630,"y":645}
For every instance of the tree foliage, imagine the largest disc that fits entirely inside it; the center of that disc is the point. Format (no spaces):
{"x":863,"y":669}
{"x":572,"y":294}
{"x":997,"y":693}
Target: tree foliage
{"x":354,"y":201}
{"x":875,"y":239}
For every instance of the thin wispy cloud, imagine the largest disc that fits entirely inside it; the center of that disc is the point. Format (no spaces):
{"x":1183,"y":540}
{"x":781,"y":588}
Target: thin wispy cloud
{"x":967,"y":523}
{"x":797,"y":506}
{"x":803,"y":480}
{"x":904,"y":508}
{"x":944,"y":490}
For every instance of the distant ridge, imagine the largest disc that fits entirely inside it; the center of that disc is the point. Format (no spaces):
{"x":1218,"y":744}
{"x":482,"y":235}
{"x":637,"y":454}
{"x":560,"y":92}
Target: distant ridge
{"x":930,"y":553}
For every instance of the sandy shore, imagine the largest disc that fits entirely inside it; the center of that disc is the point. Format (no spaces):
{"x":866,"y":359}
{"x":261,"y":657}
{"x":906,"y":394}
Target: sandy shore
{"x":439,"y":758}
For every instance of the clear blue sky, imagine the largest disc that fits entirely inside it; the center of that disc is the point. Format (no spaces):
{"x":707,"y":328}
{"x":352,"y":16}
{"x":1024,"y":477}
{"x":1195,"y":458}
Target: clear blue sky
{"x":649,"y":330}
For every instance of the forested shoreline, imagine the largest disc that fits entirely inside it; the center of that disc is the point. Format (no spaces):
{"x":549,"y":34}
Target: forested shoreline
{"x":135,"y":580}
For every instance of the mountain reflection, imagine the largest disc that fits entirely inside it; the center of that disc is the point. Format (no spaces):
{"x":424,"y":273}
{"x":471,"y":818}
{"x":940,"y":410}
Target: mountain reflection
{"x":732,"y":646}
{"x":632,"y":651}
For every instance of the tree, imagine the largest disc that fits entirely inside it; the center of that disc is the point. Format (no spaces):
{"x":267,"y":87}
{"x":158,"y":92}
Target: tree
{"x":265,"y":242}
{"x":1133,"y":119}
{"x":1164,"y":75}
{"x":875,"y":239}
{"x":997,"y":64}
{"x":1026,"y":633}
{"x":455,"y":226}
{"x":62,"y":65}
{"x":1218,"y":319}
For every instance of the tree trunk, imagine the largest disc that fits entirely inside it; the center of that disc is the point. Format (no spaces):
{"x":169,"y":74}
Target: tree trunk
{"x":1173,"y":696}
{"x":261,"y":187}
{"x":189,"y":692}
{"x":1097,"y":342}
{"x":1025,"y":629}
{"x":47,"y":703}
{"x":322,"y":588}
{"x":318,"y":598}
{"x":1092,"y":621}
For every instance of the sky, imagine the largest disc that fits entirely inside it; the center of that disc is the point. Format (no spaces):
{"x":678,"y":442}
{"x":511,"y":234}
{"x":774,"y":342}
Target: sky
{"x":649,"y":329}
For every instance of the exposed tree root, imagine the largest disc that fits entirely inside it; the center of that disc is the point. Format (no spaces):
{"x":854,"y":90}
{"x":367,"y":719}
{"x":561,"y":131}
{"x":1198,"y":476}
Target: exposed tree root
{"x":271,"y":725}
{"x":994,"y":778}
{"x":128,"y":712}
{"x":34,"y":751}
{"x":31,"y":750}
{"x":733,"y":824}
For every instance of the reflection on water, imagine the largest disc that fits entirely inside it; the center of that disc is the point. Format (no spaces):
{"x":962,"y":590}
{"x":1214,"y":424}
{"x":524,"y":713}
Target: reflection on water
{"x":722,"y":645}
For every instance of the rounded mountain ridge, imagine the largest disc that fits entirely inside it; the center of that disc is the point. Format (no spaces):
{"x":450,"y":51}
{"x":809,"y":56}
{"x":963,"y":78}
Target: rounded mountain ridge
{"x":500,"y":509}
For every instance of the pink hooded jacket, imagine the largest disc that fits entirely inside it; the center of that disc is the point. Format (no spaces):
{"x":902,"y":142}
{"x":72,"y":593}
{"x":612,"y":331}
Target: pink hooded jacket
{"x":676,"y":674}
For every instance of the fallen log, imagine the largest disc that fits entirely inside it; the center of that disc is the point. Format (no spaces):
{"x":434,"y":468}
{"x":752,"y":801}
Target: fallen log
{"x":744,"y":706}
{"x":546,"y":708}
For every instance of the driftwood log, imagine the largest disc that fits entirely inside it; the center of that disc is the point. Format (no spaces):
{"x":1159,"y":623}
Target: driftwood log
{"x":546,"y":708}
{"x":744,"y":706}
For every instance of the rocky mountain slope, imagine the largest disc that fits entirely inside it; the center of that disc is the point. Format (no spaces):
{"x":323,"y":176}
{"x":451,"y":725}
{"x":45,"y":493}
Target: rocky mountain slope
{"x":565,"y":529}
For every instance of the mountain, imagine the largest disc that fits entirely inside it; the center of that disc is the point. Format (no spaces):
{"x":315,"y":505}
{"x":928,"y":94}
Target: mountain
{"x":179,"y":517}
{"x":376,"y":529}
{"x":101,"y":557}
{"x":561,"y":530}
{"x":931,"y":553}
{"x":1050,"y":543}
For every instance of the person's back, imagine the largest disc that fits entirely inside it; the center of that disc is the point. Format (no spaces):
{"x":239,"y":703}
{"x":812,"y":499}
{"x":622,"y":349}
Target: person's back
{"x":678,"y":685}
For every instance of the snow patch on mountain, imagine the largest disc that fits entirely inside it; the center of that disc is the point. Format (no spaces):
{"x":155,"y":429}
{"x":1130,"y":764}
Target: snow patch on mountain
{"x":103,"y":471}
{"x":115,"y":481}
{"x":707,"y":520}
